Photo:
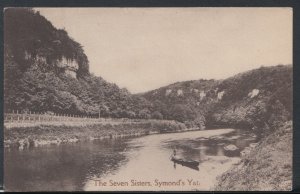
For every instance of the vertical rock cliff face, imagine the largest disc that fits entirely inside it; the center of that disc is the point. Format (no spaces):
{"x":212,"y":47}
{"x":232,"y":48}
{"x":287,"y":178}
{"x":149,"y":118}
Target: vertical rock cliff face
{"x":69,"y":66}
{"x":37,"y":42}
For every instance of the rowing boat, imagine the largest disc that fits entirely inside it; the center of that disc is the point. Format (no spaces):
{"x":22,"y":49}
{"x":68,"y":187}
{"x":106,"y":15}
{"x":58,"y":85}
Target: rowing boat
{"x":188,"y":163}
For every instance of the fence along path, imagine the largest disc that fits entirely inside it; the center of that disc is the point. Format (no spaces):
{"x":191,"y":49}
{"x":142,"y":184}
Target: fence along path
{"x":16,"y":119}
{"x":36,"y":117}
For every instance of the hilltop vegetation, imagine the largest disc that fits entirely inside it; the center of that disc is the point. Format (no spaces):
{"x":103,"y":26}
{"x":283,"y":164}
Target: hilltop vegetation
{"x":46,"y":70}
{"x":36,"y":36}
{"x":260,"y":98}
{"x":38,"y":62}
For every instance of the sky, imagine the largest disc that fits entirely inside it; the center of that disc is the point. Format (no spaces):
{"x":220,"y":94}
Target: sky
{"x":146,"y":48}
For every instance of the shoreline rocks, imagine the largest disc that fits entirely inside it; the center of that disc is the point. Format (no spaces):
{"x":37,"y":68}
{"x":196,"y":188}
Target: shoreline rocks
{"x":23,"y":138}
{"x":231,"y":147}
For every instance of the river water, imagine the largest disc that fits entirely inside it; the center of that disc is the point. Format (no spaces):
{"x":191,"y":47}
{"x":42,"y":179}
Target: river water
{"x":141,"y":163}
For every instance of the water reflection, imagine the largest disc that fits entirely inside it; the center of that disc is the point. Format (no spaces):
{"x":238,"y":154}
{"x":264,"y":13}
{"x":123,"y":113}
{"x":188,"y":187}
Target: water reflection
{"x":64,"y":167}
{"x":199,"y":148}
{"x":186,"y":165}
{"x":73,"y":167}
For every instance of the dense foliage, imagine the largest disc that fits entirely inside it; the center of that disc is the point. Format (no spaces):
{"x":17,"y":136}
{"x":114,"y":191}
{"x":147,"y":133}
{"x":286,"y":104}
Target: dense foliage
{"x":34,"y":84}
{"x":229,"y":103}
{"x":261,"y":98}
{"x":26,"y":31}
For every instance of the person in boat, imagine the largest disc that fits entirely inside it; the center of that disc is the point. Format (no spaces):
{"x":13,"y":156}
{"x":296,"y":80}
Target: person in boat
{"x":174,"y":152}
{"x":173,"y":156}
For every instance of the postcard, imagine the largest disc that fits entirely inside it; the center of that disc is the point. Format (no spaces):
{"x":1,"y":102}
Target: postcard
{"x":148,"y":99}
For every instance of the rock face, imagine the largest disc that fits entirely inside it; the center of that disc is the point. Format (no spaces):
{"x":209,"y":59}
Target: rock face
{"x":70,"y":66}
{"x":220,"y":95}
{"x":230,"y":147}
{"x":179,"y":92}
{"x":38,"y":58}
{"x":202,"y":95}
{"x":253,"y":93}
{"x":168,"y":92}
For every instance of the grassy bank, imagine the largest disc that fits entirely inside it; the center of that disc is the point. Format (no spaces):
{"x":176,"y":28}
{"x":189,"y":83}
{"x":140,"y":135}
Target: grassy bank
{"x":23,"y":137}
{"x":266,"y":167}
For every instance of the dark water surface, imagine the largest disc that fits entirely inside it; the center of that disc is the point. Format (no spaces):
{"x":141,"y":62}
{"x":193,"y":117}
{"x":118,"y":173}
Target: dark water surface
{"x":75,"y":167}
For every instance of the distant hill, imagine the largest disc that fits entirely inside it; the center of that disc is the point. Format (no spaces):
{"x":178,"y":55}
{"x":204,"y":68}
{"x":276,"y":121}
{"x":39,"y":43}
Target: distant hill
{"x":257,"y":98}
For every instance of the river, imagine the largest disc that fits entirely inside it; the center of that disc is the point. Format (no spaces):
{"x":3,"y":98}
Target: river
{"x":141,"y":163}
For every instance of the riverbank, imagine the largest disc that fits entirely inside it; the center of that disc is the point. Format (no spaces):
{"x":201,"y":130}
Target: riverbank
{"x":266,"y":167}
{"x":33,"y":136}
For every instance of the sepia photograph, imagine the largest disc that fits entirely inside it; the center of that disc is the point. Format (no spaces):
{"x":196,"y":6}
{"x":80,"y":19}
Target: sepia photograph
{"x":148,"y":98}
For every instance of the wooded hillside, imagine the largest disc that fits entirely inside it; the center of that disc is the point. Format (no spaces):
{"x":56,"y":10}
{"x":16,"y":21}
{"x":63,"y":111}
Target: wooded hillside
{"x":35,"y":74}
{"x":46,"y":70}
{"x":260,"y":98}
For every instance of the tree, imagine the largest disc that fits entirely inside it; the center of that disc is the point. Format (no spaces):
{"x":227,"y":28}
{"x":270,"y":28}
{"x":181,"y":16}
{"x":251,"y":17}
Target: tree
{"x":157,"y":115}
{"x":144,"y":114}
{"x":182,"y":113}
